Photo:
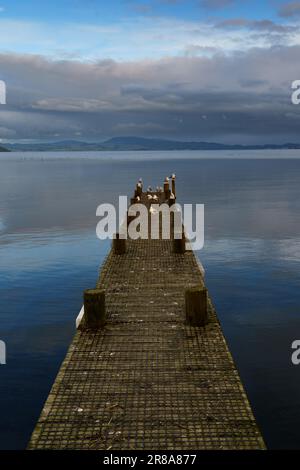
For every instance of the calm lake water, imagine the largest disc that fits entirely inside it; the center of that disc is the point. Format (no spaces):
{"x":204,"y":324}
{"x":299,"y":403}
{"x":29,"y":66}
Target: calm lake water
{"x":49,"y":253}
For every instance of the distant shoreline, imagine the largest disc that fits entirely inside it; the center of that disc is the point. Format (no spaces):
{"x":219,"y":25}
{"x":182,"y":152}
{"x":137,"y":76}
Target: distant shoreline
{"x":138,"y":144}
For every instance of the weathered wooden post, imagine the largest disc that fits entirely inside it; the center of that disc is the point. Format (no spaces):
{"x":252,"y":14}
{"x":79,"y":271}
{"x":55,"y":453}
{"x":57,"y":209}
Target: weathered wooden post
{"x":179,"y":242}
{"x":196,"y":306}
{"x":167,"y":188}
{"x":119,"y":244}
{"x":173,"y":185}
{"x":139,"y":189}
{"x":94,"y":308}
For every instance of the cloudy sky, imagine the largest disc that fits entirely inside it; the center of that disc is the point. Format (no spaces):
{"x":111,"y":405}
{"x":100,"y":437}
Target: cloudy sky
{"x":217,"y":70}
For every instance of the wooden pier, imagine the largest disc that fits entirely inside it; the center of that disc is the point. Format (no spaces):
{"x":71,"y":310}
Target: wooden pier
{"x":151,"y":377}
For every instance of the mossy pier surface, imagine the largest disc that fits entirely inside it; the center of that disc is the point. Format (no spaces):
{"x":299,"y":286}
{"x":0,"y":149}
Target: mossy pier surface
{"x":148,"y":379}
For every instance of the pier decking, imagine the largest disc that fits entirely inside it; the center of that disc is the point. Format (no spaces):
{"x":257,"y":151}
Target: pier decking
{"x":148,"y":380}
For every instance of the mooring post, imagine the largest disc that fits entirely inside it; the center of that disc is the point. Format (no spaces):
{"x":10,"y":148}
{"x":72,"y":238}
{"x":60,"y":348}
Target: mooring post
{"x":167,"y":190}
{"x":119,"y":244}
{"x":173,"y":185}
{"x":94,"y":308}
{"x":196,"y":306}
{"x":139,"y":189}
{"x":179,"y":242}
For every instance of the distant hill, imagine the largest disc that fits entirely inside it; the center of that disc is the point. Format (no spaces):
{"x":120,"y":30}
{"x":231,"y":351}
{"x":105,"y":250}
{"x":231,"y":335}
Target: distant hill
{"x":141,"y":143}
{"x":3,"y":149}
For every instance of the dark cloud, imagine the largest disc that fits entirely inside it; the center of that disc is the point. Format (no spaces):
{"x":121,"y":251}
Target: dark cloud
{"x":268,"y":25}
{"x":259,"y":25}
{"x":290,"y":9}
{"x":233,"y":23}
{"x":176,"y":97}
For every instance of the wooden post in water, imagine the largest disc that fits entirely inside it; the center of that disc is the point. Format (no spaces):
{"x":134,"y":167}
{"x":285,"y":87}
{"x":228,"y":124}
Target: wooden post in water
{"x":167,"y":190}
{"x":196,"y":305}
{"x":139,"y":189}
{"x":173,"y":185}
{"x":94,"y":308}
{"x":119,"y":245}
